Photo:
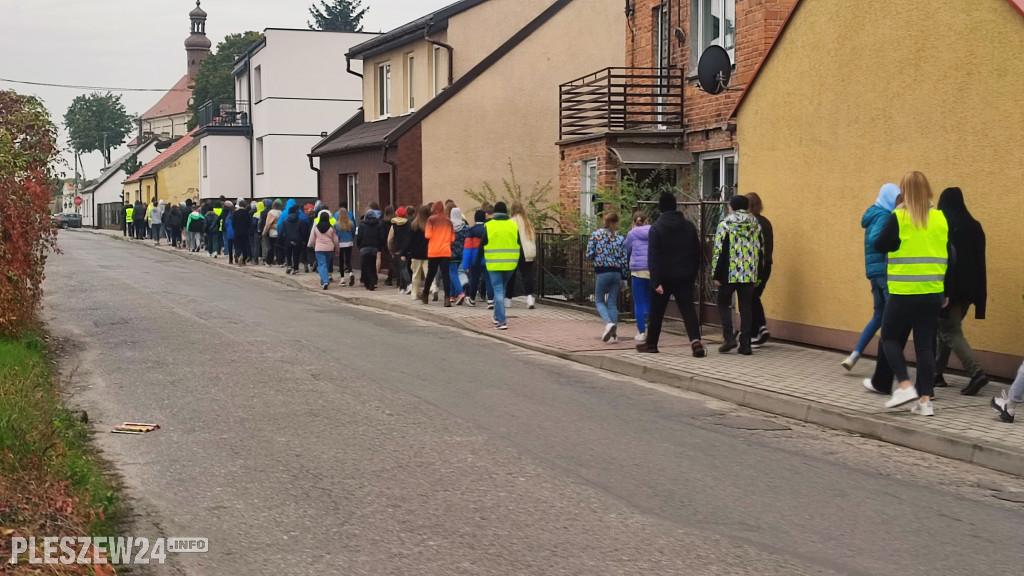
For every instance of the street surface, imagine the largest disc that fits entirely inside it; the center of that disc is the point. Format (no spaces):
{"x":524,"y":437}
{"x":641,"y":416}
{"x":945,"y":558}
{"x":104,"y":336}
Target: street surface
{"x":303,"y":436}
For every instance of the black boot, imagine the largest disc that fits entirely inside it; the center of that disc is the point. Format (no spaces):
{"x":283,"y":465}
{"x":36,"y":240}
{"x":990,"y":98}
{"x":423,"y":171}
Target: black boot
{"x":745,"y":345}
{"x":978,"y":381}
{"x":727,"y":346}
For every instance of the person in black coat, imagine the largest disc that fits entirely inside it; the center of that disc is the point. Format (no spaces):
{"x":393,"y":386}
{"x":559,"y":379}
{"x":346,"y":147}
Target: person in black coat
{"x":175,"y":220}
{"x":371,"y":237}
{"x":966,"y":284}
{"x":673,"y":259}
{"x":241,"y":222}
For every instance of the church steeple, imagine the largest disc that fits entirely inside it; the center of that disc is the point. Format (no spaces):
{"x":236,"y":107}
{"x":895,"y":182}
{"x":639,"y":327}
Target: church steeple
{"x":197,"y":45}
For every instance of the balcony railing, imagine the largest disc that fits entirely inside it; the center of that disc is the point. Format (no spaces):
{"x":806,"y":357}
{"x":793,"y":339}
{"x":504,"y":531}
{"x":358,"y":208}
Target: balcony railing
{"x":622,"y":99}
{"x":229,"y":113}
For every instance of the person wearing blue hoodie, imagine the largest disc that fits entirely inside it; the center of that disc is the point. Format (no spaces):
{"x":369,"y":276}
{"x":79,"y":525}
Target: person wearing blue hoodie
{"x":873,"y":221}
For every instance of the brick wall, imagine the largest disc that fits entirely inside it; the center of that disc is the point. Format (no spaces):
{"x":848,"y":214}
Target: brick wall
{"x":570,"y":170}
{"x":368,"y":164}
{"x":410,"y":167}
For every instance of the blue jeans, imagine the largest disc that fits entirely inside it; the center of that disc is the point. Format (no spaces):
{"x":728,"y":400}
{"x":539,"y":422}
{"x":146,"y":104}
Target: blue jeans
{"x":880,"y":293}
{"x":606,"y":296}
{"x":155,"y":232}
{"x":499,"y":280}
{"x":456,"y":283}
{"x":641,"y":302}
{"x":323,"y":265}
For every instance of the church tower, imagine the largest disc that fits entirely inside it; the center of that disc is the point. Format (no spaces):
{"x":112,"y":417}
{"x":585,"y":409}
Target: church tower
{"x":197,"y":45}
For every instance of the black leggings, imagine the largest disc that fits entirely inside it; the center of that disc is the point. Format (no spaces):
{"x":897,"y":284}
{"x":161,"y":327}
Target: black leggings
{"x":526,"y":270}
{"x":345,"y":260}
{"x":683,"y":292}
{"x":917,"y":313}
{"x":759,"y":320}
{"x":434,"y":265}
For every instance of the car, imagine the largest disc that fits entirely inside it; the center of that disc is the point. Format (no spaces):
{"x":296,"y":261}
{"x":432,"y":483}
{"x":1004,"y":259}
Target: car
{"x":68,"y":220}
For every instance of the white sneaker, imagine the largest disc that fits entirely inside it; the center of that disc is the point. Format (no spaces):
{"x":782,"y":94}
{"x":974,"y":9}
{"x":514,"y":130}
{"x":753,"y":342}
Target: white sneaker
{"x":508,"y":303}
{"x":923,"y":409}
{"x":901,"y":396}
{"x":641,"y":337}
{"x":530,"y":302}
{"x":607,"y":332}
{"x":871,"y":387}
{"x":850,"y":362}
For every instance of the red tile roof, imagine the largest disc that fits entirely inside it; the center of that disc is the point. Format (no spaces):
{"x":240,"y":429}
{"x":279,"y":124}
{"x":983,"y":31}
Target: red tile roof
{"x":1018,"y":4}
{"x":184,"y":144}
{"x":175,"y":101}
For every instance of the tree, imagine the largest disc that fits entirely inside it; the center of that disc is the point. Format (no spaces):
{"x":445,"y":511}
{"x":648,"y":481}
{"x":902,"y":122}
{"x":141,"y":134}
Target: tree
{"x":131,"y":165}
{"x":97,"y":122}
{"x":28,"y":148}
{"x":338,"y":16}
{"x":214,"y":80}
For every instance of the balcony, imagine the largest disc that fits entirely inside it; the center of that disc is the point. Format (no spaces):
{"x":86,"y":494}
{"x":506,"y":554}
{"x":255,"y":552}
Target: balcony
{"x":231,"y":114}
{"x":616,"y":99}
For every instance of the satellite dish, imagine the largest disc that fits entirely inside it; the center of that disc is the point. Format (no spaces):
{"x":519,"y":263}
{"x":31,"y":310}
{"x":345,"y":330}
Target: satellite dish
{"x":714,"y":70}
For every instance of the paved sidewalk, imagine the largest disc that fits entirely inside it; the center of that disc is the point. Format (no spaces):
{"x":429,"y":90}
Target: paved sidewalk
{"x":795,"y":381}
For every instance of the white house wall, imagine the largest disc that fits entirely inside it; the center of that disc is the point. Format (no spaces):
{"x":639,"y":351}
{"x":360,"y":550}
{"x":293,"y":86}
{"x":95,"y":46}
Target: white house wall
{"x":110,"y":191}
{"x":226,"y":164}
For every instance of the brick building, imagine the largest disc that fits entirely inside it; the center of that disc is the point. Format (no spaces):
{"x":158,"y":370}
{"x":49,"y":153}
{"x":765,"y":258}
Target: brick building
{"x":651,"y":119}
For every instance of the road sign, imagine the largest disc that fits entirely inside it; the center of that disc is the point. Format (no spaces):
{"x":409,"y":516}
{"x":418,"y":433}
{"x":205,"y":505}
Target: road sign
{"x":78,"y":200}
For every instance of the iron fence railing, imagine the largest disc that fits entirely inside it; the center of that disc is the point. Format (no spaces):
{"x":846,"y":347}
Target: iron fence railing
{"x":226,"y":113}
{"x":621,"y":99}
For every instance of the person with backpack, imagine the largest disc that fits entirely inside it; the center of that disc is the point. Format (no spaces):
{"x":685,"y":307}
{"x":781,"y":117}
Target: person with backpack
{"x":324,"y":241}
{"x":735,"y":262}
{"x":673,"y":261}
{"x":194,"y":227}
{"x":966,"y":285}
{"x":369,"y":239}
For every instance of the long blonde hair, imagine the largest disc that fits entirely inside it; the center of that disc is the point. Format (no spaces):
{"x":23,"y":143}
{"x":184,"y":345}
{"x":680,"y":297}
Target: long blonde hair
{"x":917,"y":198}
{"x":517,"y":210}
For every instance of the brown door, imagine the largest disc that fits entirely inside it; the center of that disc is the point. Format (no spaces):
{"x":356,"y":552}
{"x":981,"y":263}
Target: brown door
{"x":383,"y":189}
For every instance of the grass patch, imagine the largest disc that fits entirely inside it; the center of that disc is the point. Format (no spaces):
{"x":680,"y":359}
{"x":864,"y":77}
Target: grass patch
{"x":51,"y":481}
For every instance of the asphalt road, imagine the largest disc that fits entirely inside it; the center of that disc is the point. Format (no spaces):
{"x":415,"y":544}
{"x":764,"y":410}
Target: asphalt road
{"x":304,"y":436}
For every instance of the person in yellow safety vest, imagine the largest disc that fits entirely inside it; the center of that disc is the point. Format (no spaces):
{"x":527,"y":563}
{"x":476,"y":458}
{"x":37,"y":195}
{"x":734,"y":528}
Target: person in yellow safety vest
{"x":916,"y":237}
{"x":129,"y":223}
{"x":149,"y":212}
{"x":501,"y":254}
{"x":218,"y":209}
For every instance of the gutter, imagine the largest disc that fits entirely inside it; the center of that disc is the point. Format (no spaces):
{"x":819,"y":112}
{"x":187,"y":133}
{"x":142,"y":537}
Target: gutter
{"x":394,"y":174}
{"x":451,"y":52}
{"x":319,"y":195}
{"x":348,"y":66}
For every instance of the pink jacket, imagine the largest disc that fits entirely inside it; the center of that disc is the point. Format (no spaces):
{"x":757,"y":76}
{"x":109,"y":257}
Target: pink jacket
{"x":323,"y":241}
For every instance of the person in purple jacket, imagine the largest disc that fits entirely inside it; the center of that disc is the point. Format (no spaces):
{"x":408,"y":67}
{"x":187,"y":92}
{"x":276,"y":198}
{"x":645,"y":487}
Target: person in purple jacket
{"x":636,"y":248}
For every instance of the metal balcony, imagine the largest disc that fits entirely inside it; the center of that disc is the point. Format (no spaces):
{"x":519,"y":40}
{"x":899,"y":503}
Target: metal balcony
{"x":232,"y":113}
{"x":616,"y":99}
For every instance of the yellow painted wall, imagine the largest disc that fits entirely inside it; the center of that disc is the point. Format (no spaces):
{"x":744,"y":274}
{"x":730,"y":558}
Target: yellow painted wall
{"x":511,"y":112}
{"x":423,"y":64}
{"x":140,"y":190}
{"x":179,"y":180}
{"x":855,"y":95}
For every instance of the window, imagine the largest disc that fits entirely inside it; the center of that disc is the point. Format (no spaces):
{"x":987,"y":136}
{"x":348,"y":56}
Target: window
{"x":410,"y":87}
{"x":713,"y":23}
{"x":352,"y":192}
{"x":205,"y":163}
{"x":718,"y":175}
{"x":439,"y":71}
{"x":384,"y":90}
{"x":588,"y":188}
{"x":259,"y":155}
{"x":257,"y":84}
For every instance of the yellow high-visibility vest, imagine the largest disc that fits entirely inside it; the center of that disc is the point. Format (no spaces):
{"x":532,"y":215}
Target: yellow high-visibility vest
{"x":128,"y":215}
{"x":919,"y":266}
{"x":501,"y":254}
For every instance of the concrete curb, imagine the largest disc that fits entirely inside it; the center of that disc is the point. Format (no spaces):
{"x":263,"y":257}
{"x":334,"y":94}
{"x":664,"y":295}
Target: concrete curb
{"x":990,"y":455}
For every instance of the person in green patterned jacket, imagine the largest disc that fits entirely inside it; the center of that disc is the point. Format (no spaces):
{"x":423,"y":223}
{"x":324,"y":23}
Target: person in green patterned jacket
{"x":735,"y":270}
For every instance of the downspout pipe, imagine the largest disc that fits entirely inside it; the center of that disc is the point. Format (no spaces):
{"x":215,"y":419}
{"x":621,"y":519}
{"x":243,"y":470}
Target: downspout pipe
{"x":394,"y":174}
{"x":451,"y":52}
{"x":317,"y":170}
{"x":348,"y":66}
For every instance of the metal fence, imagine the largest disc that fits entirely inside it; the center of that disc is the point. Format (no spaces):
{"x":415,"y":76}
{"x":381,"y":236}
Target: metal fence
{"x":109,"y":215}
{"x":565,"y":274}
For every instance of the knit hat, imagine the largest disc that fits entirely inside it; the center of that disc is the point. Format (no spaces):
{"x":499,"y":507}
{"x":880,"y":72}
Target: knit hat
{"x":667,"y":202}
{"x":400,"y":212}
{"x":479,"y":216}
{"x":739,"y":202}
{"x":500,"y":207}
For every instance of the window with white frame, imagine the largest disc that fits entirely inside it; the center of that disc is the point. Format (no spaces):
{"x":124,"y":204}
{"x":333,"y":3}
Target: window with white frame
{"x":257,"y":84}
{"x":258,"y":152}
{"x":718,"y":175}
{"x":588,"y":188}
{"x":410,"y":86}
{"x":439,"y":74}
{"x":384,"y":90}
{"x":352,"y":192}
{"x":712,"y":23}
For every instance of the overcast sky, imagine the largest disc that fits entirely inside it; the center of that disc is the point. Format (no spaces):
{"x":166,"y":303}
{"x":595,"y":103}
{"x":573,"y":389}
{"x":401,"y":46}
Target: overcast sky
{"x":139,"y":43}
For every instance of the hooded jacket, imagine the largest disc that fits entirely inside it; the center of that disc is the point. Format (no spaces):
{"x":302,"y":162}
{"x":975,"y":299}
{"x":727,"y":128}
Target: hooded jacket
{"x":156,"y":215}
{"x":174,"y":217}
{"x":967,"y":276}
{"x":673,"y":249}
{"x":195,"y":222}
{"x":242,"y":223}
{"x":284,"y":216}
{"x":398,"y":236}
{"x":873,"y":221}
{"x":229,"y":228}
{"x":472,"y":252}
{"x":370,"y":235}
{"x":737,"y":249}
{"x":637,"y":247}
{"x":439,"y":233}
{"x":320,"y":240}
{"x":211,"y":222}
{"x":291,"y":229}
{"x":461,"y":231}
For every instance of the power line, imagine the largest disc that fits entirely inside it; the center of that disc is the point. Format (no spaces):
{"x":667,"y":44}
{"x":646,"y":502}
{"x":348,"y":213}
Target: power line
{"x":108,"y":89}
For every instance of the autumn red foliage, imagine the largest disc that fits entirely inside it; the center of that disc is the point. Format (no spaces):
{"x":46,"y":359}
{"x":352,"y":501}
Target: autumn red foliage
{"x":28,"y":147}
